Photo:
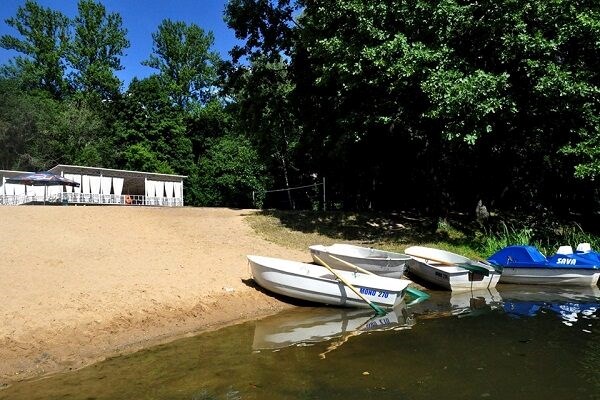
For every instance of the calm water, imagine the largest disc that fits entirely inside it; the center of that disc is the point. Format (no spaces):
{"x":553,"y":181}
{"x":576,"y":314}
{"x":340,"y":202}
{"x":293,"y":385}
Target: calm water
{"x":516,"y":342}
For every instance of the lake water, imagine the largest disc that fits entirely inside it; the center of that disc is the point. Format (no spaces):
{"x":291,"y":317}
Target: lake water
{"x":516,"y":342}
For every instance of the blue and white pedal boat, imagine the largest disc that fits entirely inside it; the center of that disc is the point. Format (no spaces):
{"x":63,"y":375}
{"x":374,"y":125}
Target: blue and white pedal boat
{"x":527,"y":265}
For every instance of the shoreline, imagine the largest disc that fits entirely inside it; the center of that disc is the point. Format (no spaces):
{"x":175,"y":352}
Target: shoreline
{"x":82,"y":284}
{"x":75,"y":347}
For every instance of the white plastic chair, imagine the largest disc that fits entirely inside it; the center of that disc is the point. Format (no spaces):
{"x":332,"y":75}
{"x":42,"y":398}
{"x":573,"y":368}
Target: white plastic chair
{"x":564,"y":250}
{"x":584,"y":248}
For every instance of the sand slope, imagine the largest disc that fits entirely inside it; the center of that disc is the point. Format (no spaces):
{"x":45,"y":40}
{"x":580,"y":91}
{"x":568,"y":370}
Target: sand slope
{"x":78,"y":284}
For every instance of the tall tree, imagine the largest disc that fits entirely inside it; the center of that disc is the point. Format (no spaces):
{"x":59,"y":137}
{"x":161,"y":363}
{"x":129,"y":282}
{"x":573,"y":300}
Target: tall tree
{"x":184,"y":60}
{"x":43,"y":42}
{"x":265,"y":107}
{"x":98,"y":43}
{"x":261,"y":81}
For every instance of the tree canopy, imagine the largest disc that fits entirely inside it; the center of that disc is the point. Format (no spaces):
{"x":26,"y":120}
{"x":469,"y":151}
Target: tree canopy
{"x":424,"y":105}
{"x":43,"y":42}
{"x":185,"y":62}
{"x":98,"y":43}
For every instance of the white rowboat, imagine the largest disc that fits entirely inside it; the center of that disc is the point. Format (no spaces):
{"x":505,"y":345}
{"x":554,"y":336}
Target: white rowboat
{"x":379,"y":262}
{"x":450,"y":270}
{"x":318,"y":284}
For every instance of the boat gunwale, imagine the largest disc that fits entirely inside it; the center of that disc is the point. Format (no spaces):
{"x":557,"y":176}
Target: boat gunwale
{"x":327,"y":250}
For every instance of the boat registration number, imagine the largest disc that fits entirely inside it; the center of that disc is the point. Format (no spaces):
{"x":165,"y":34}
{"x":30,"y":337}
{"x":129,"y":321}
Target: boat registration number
{"x":374,"y":293}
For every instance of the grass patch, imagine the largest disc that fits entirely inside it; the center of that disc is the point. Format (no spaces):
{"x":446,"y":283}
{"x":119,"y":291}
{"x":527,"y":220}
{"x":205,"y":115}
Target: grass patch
{"x":457,"y":233}
{"x":392,"y":232}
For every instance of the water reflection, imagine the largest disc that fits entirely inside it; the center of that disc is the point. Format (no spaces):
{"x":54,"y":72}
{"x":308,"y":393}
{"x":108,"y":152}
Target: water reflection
{"x":468,"y":303}
{"x":308,"y":325}
{"x":548,"y":293}
{"x":569,"y":303}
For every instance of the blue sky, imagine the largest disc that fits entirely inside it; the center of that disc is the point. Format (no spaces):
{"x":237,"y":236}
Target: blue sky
{"x":141,"y":18}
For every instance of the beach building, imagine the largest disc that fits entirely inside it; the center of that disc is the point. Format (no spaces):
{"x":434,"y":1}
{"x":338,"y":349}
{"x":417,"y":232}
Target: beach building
{"x":97,"y":186}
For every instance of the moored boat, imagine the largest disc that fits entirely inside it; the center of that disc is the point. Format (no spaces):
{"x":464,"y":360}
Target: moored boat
{"x":324,"y":285}
{"x":449,"y":270}
{"x":523,"y":264}
{"x":344,"y":256}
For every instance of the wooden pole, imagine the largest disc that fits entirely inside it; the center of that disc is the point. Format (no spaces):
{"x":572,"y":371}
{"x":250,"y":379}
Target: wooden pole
{"x":324,"y":201}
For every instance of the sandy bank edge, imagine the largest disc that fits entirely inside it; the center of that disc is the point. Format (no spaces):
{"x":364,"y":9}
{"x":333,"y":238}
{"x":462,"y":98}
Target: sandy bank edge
{"x":80,"y":284}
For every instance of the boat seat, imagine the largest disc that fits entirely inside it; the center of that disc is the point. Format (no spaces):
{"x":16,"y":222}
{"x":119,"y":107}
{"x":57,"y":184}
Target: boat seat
{"x":583,"y":248}
{"x":564,"y":250}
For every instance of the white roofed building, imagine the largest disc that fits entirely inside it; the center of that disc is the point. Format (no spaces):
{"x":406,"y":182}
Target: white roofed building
{"x":100,"y":186}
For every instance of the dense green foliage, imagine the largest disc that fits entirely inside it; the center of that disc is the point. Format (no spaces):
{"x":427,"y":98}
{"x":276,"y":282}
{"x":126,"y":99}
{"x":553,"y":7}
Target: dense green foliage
{"x":449,"y":102}
{"x":231,"y":173}
{"x":419,"y":105}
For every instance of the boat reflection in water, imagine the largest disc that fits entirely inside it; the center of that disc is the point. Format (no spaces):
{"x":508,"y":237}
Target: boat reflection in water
{"x":569,"y":303}
{"x":461,"y":304}
{"x":303,"y":326}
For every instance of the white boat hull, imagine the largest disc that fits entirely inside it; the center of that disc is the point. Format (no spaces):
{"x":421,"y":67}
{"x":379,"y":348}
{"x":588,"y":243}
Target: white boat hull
{"x":450,"y":270}
{"x":451,"y":277}
{"x":550,"y":276}
{"x":379,"y":262}
{"x":316,"y":283}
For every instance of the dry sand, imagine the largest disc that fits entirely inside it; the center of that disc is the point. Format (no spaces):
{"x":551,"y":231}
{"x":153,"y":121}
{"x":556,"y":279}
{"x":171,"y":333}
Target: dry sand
{"x":79,"y":284}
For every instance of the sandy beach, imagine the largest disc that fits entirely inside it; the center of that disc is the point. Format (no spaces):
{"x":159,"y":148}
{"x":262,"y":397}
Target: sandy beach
{"x":80,"y":284}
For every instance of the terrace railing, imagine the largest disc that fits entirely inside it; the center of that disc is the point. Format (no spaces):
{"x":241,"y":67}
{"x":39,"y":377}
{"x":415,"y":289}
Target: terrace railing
{"x":89,"y":198}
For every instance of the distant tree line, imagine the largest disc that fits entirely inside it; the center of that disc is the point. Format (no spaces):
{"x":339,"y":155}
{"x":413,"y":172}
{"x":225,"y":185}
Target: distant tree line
{"x":414,"y":104}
